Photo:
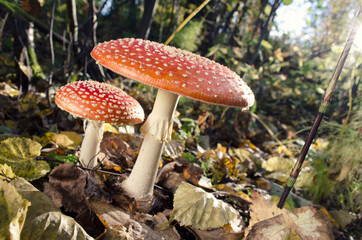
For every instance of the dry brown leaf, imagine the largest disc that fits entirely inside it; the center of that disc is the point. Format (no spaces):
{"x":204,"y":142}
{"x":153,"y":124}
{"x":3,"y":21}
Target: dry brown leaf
{"x":71,"y":187}
{"x":217,"y":234}
{"x":192,"y":173}
{"x":262,"y":209}
{"x":268,"y":222}
{"x":306,"y":223}
{"x":118,"y":151}
{"x":205,"y":122}
{"x":33,"y":7}
{"x":121,"y":225}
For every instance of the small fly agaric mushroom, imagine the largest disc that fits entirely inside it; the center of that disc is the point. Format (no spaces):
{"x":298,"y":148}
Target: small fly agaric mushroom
{"x":175,"y":72}
{"x":98,"y":103}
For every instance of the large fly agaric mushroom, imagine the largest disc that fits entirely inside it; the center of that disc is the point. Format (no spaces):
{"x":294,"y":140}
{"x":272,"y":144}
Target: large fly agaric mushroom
{"x":175,"y":72}
{"x":98,"y":103}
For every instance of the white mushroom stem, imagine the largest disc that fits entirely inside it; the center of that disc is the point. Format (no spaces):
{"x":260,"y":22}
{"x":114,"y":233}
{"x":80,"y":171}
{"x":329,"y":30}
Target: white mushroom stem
{"x":90,"y":146}
{"x":158,"y":129}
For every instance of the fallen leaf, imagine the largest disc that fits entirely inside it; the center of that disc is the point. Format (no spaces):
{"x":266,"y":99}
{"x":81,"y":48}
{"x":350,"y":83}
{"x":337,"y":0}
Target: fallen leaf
{"x":118,"y":152}
{"x":217,"y":234}
{"x":306,"y":223}
{"x":194,"y":207}
{"x":6,"y":172}
{"x":20,"y":153}
{"x":263,"y":183}
{"x":342,"y":217}
{"x":205,"y":122}
{"x":283,"y":149}
{"x":192,"y":173}
{"x":261,"y":209}
{"x":281,"y":164}
{"x":10,"y":90}
{"x":26,"y":70}
{"x":71,"y":187}
{"x":231,"y":190}
{"x":109,"y":128}
{"x":44,"y":220}
{"x":13,"y":211}
{"x":67,"y":139}
{"x":174,"y":148}
{"x":121,"y":225}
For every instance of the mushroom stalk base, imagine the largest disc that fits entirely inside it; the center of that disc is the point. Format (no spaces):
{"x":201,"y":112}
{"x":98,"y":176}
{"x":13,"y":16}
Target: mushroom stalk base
{"x":158,"y":127}
{"x":90,"y":146}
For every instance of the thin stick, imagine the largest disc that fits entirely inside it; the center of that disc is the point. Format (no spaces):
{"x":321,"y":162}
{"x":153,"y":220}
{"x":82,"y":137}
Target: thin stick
{"x":322,"y":110}
{"x":186,"y":21}
{"x":48,"y":159}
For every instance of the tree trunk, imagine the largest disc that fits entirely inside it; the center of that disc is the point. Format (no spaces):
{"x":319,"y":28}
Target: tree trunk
{"x":147,"y":18}
{"x":264,"y":32}
{"x":73,"y":25}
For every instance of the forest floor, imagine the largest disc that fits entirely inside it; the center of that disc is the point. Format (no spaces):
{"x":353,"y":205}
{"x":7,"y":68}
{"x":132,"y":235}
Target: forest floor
{"x":207,"y":152}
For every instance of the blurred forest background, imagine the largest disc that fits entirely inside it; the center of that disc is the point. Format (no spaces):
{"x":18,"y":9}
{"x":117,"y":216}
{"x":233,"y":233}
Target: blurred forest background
{"x":46,"y":44}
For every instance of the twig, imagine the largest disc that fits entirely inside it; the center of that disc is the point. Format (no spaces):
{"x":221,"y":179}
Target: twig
{"x":267,"y":128}
{"x":5,"y":177}
{"x":48,"y":159}
{"x":322,"y":110}
{"x":51,"y":44}
{"x":2,"y":26}
{"x":186,"y":21}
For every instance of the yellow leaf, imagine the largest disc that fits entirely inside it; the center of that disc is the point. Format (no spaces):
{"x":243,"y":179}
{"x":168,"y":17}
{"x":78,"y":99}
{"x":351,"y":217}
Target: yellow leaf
{"x":67,"y":139}
{"x":6,"y":171}
{"x":320,"y":144}
{"x":8,"y":90}
{"x":44,"y":140}
{"x":226,"y":188}
{"x":109,"y":128}
{"x":250,"y":144}
{"x":20,"y":154}
{"x":285,"y":150}
{"x":220,"y":148}
{"x":13,"y":212}
{"x":278,"y":164}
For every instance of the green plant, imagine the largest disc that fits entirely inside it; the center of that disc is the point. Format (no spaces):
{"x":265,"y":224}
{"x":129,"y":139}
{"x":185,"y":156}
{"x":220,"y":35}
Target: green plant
{"x":338,"y":176}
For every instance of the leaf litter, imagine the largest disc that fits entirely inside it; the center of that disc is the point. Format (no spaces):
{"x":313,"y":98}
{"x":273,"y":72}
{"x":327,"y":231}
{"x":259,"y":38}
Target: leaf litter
{"x":225,"y":174}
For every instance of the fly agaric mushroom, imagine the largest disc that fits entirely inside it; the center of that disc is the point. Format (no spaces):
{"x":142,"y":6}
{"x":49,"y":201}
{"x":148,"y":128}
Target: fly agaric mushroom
{"x":98,"y":103}
{"x":175,"y":72}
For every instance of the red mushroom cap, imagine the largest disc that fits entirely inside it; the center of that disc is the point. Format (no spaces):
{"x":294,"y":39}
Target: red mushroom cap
{"x":174,"y":70}
{"x":101,"y":102}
